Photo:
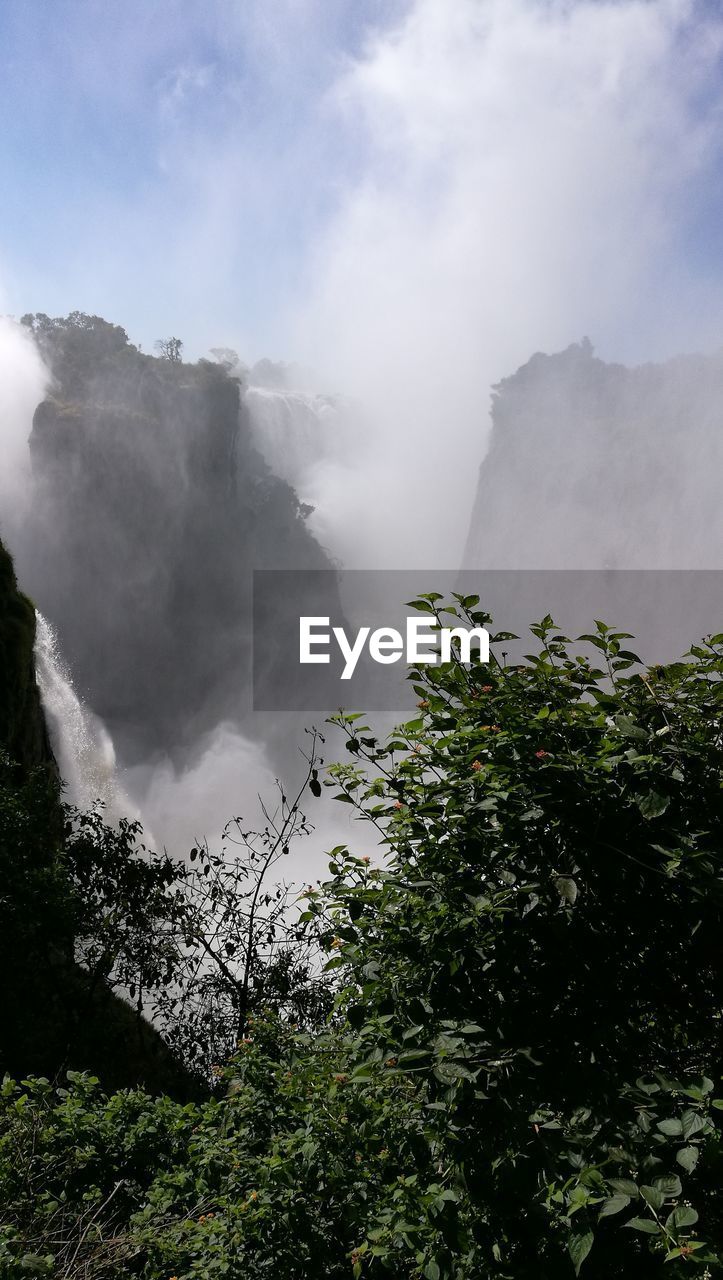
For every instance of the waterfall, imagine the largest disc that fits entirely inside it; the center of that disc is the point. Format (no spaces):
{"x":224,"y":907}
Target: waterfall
{"x":293,"y":431}
{"x":81,"y":744}
{"x":315,"y":442}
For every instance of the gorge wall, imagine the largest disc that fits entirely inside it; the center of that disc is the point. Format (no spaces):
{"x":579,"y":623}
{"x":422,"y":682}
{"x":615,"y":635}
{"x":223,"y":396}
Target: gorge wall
{"x":151,"y":505}
{"x":23,"y":733}
{"x":598,"y":466}
{"x":52,"y":1016}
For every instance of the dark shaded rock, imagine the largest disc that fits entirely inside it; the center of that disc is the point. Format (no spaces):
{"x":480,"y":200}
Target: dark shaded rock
{"x":23,"y":733}
{"x":152,"y":508}
{"x":594,"y":465}
{"x":52,"y":1018}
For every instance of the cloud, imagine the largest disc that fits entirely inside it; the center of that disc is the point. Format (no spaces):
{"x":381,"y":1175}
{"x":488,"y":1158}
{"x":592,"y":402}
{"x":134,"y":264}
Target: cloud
{"x":528,"y":170}
{"x":23,"y":381}
{"x":412,"y":196}
{"x":412,"y":202}
{"x":230,"y":776}
{"x":181,"y":86}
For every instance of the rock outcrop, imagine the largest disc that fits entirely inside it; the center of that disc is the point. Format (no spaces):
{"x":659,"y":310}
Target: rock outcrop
{"x":595,"y":466}
{"x":52,"y":1016}
{"x":152,"y":507}
{"x":23,"y":733}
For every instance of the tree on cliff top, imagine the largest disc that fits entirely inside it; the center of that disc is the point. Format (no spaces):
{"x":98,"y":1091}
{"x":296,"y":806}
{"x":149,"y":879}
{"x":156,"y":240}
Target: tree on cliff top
{"x":170,"y":349}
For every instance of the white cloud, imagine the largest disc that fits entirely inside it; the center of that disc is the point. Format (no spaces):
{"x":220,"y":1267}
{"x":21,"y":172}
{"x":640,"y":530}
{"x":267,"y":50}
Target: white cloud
{"x":182,"y":85}
{"x":23,"y":380}
{"x":230,"y":776}
{"x":528,"y":167}
{"x":483,"y":180}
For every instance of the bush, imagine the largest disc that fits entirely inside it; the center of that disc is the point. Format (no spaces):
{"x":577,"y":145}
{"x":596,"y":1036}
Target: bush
{"x":541,"y":953}
{"x":519,"y":1077}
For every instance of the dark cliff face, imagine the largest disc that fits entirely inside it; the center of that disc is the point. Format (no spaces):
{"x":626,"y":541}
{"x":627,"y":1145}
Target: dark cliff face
{"x":51,"y":1015}
{"x":23,"y":734}
{"x":152,"y":508}
{"x":594,"y":465}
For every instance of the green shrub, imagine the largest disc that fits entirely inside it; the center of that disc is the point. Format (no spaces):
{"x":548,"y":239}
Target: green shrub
{"x":521,"y":1076}
{"x":542,"y":951}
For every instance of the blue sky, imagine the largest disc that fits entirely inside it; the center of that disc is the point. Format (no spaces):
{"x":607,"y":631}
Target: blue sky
{"x":137,"y":136}
{"x":203,"y":168}
{"x":409,"y":196}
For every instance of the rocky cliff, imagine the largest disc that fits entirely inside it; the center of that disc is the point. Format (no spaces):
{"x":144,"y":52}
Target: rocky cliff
{"x":23,"y":735}
{"x":51,"y":1016}
{"x":152,"y":506}
{"x":594,"y":465}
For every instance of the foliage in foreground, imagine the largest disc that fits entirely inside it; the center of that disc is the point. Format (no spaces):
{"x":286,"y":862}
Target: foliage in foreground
{"x":522,"y":1076}
{"x":89,"y":914}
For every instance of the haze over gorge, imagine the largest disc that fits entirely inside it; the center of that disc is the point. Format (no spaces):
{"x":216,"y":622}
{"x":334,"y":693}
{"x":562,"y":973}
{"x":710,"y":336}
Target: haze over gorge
{"x":147,"y":489}
{"x":388,"y":332}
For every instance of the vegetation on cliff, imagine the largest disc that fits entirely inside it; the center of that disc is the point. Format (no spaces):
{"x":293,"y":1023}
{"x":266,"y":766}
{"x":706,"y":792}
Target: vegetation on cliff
{"x":65,"y":877}
{"x":152,"y":507}
{"x":521,"y":1073}
{"x":22,"y":728}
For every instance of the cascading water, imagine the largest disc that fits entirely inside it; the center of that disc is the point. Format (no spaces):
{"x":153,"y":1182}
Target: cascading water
{"x":312,"y":441}
{"x":81,"y":744}
{"x":293,"y":431}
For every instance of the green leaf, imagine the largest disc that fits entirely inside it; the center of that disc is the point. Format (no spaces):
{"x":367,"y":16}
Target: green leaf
{"x":578,"y":1247}
{"x":614,"y":1205}
{"x":691,"y":1123}
{"x":682,"y":1216}
{"x":689,"y":1247}
{"x":653,"y":1197}
{"x":669,"y":1185}
{"x":653,"y":804}
{"x":629,"y":728}
{"x":411,"y":1033}
{"x":687,"y":1158}
{"x":673,"y":1128}
{"x":624,"y":1185}
{"x":643,"y":1224}
{"x":431,"y":1271}
{"x":695,"y":1092}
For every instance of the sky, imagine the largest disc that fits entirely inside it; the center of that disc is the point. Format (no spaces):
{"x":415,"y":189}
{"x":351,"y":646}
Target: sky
{"x":186,"y":167}
{"x":168,"y":165}
{"x":409,"y":196}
